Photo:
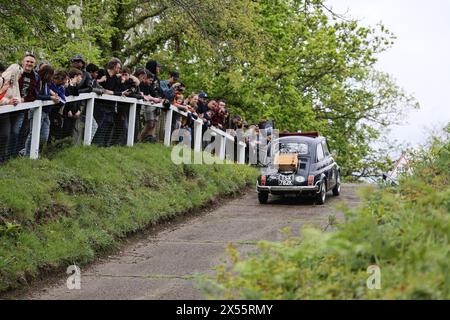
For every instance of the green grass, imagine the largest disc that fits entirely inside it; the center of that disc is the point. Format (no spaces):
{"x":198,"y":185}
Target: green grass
{"x":404,"y":230}
{"x":82,"y":202}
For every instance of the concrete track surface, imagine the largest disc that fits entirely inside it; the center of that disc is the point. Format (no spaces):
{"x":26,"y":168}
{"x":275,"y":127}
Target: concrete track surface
{"x":161,"y":264}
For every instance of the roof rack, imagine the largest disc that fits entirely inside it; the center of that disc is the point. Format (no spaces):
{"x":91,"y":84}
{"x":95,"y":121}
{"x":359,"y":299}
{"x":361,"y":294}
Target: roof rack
{"x":311,"y":134}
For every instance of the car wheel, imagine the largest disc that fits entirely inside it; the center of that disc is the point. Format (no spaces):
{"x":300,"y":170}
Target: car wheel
{"x":337,"y":188}
{"x":263,"y":197}
{"x":321,"y":197}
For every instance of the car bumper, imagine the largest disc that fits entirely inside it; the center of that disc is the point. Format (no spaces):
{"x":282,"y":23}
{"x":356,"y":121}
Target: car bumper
{"x":288,"y":189}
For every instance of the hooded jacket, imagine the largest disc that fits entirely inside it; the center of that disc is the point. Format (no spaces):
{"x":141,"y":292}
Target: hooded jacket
{"x":12,"y":74}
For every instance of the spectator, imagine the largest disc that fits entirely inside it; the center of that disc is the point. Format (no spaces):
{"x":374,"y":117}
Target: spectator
{"x":178,"y":101}
{"x":29,"y":86}
{"x":192,"y":103}
{"x":46,"y":94}
{"x":151,"y":113}
{"x":93,"y":70}
{"x":217,"y":114}
{"x":202,"y":103}
{"x":236,"y":122}
{"x":224,"y":115}
{"x":57,"y":85}
{"x":141,"y":75}
{"x":9,"y":95}
{"x":155,"y":68}
{"x":129,"y":86}
{"x":104,"y":111}
{"x":60,"y":79}
{"x":85,"y":86}
{"x":75,"y":77}
{"x":42,"y":64}
{"x":168,"y":86}
{"x":72,"y":111}
{"x":9,"y":85}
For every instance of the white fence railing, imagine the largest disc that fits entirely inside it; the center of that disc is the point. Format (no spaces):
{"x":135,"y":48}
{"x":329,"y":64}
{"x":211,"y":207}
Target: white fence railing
{"x":221,"y":137}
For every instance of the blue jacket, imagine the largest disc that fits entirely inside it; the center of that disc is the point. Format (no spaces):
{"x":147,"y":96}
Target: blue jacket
{"x":167,"y":90}
{"x":60,"y":91}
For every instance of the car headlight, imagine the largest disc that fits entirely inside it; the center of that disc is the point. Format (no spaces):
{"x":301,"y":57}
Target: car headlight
{"x":300,"y":179}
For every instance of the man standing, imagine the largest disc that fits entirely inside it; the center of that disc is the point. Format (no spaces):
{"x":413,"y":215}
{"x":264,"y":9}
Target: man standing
{"x":155,"y":68}
{"x":202,"y":103}
{"x":168,"y":86}
{"x":150,"y":112}
{"x":104,"y":111}
{"x":29,"y":87}
{"x":85,"y":86}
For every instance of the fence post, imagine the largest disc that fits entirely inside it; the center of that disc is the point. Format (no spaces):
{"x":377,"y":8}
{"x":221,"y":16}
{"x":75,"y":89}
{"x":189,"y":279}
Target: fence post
{"x":88,"y":122}
{"x":241,"y":152}
{"x":131,"y":124}
{"x":168,"y":128}
{"x":36,"y":133}
{"x":220,"y":146}
{"x":198,"y":131}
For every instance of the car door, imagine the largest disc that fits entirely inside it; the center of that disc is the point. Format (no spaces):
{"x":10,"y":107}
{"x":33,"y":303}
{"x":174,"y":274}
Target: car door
{"x":330,"y":165}
{"x":321,"y":161}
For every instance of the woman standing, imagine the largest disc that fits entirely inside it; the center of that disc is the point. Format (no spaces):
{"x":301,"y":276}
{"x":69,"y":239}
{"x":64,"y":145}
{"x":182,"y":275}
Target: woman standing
{"x":9,"y":95}
{"x":46,"y":73}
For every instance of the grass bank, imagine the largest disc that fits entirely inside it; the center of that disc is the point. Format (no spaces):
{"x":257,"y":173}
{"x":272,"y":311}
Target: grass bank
{"x":403,"y":230}
{"x":70,"y":209}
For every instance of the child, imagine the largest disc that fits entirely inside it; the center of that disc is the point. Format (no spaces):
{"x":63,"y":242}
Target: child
{"x":72,"y":110}
{"x":57,"y":86}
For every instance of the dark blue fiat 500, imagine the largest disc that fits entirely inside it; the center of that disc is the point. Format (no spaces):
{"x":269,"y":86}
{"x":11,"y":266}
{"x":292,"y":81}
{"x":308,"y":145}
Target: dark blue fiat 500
{"x":301,"y":164}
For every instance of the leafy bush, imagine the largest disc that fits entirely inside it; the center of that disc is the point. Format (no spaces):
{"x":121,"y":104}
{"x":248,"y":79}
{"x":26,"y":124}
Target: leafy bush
{"x":404,"y":230}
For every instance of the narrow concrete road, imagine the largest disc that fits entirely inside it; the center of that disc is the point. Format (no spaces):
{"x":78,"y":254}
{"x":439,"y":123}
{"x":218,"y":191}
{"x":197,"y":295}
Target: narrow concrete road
{"x":161,"y":265}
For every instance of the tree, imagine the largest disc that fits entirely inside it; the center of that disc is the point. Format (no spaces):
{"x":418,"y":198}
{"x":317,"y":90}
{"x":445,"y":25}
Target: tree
{"x":293,"y":61}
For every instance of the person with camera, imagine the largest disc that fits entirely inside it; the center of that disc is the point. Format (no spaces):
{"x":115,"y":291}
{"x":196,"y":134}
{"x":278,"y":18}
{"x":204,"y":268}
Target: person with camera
{"x":87,"y":84}
{"x":104,"y":111}
{"x":129,"y":86}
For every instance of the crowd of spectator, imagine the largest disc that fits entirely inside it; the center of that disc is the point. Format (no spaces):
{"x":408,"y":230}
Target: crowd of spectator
{"x":29,"y":82}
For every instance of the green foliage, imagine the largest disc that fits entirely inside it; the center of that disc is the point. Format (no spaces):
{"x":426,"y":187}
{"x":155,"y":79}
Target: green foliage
{"x":404,"y":230}
{"x":82,"y":202}
{"x":290,"y":61}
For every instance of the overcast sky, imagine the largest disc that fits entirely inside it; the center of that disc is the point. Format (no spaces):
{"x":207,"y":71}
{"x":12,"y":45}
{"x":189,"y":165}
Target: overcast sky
{"x":419,"y":59}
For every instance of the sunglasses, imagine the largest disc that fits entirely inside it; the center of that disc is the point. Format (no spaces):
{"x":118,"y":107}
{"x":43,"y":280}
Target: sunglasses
{"x":30,"y":54}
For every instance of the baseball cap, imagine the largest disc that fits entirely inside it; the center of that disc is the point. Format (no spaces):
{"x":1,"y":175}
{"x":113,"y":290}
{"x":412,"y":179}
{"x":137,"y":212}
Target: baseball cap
{"x":78,"y":57}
